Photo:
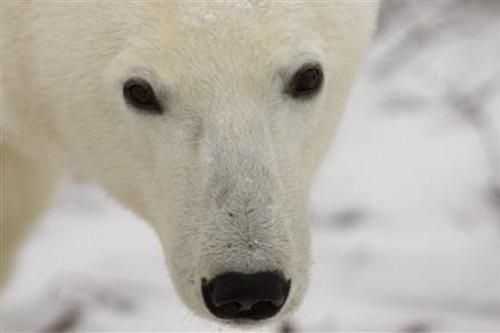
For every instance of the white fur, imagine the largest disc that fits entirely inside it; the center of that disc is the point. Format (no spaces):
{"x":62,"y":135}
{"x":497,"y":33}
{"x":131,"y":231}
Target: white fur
{"x":230,"y":141}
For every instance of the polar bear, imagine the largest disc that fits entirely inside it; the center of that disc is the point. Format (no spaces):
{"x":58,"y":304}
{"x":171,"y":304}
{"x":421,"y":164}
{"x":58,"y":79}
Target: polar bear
{"x":206,"y":119}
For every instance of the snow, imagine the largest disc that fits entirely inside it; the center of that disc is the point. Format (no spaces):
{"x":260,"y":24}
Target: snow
{"x":406,"y":230}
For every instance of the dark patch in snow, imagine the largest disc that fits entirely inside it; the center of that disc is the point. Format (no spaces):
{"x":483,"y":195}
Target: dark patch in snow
{"x":417,"y":327}
{"x":349,"y":218}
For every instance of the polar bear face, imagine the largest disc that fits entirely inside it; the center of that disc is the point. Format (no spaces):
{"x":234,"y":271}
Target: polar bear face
{"x":211,"y":120}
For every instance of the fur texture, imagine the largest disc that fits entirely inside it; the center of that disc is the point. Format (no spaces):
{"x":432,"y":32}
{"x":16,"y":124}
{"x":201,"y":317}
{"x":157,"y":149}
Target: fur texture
{"x":223,"y":175}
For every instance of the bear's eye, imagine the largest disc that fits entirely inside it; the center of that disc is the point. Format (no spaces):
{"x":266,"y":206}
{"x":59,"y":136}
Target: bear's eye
{"x":139,"y":93}
{"x":306,"y":82}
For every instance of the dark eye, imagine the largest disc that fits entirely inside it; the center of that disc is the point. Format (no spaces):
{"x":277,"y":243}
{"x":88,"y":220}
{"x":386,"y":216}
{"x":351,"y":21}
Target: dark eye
{"x":140,"y":94}
{"x":306,"y":82}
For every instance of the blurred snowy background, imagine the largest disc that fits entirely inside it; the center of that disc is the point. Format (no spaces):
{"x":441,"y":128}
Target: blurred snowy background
{"x":405,"y":208}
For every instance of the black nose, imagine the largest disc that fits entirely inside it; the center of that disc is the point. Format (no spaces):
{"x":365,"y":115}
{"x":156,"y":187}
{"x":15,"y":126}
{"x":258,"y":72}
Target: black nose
{"x":246,"y":296}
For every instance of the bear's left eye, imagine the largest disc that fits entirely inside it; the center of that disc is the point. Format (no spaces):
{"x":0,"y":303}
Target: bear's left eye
{"x":139,"y":93}
{"x":306,"y":82}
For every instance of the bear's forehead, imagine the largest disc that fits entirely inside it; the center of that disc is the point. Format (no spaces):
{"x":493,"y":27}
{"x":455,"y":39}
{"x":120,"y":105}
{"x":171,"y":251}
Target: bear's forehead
{"x":216,"y":14}
{"x":226,"y":35}
{"x":210,"y":23}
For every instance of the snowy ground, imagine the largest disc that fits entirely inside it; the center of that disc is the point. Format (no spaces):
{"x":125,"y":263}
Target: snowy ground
{"x":405,"y":209}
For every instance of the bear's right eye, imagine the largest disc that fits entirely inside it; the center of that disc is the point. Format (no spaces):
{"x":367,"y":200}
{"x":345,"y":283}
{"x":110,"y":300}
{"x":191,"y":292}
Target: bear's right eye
{"x":139,"y":94}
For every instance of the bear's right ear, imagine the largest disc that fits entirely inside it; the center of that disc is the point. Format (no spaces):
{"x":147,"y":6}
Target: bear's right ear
{"x":139,"y":94}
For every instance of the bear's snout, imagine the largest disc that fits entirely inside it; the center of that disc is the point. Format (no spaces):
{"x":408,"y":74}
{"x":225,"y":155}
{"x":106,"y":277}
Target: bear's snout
{"x":254,"y":296}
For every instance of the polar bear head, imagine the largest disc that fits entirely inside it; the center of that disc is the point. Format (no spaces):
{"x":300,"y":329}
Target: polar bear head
{"x":208,"y":120}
